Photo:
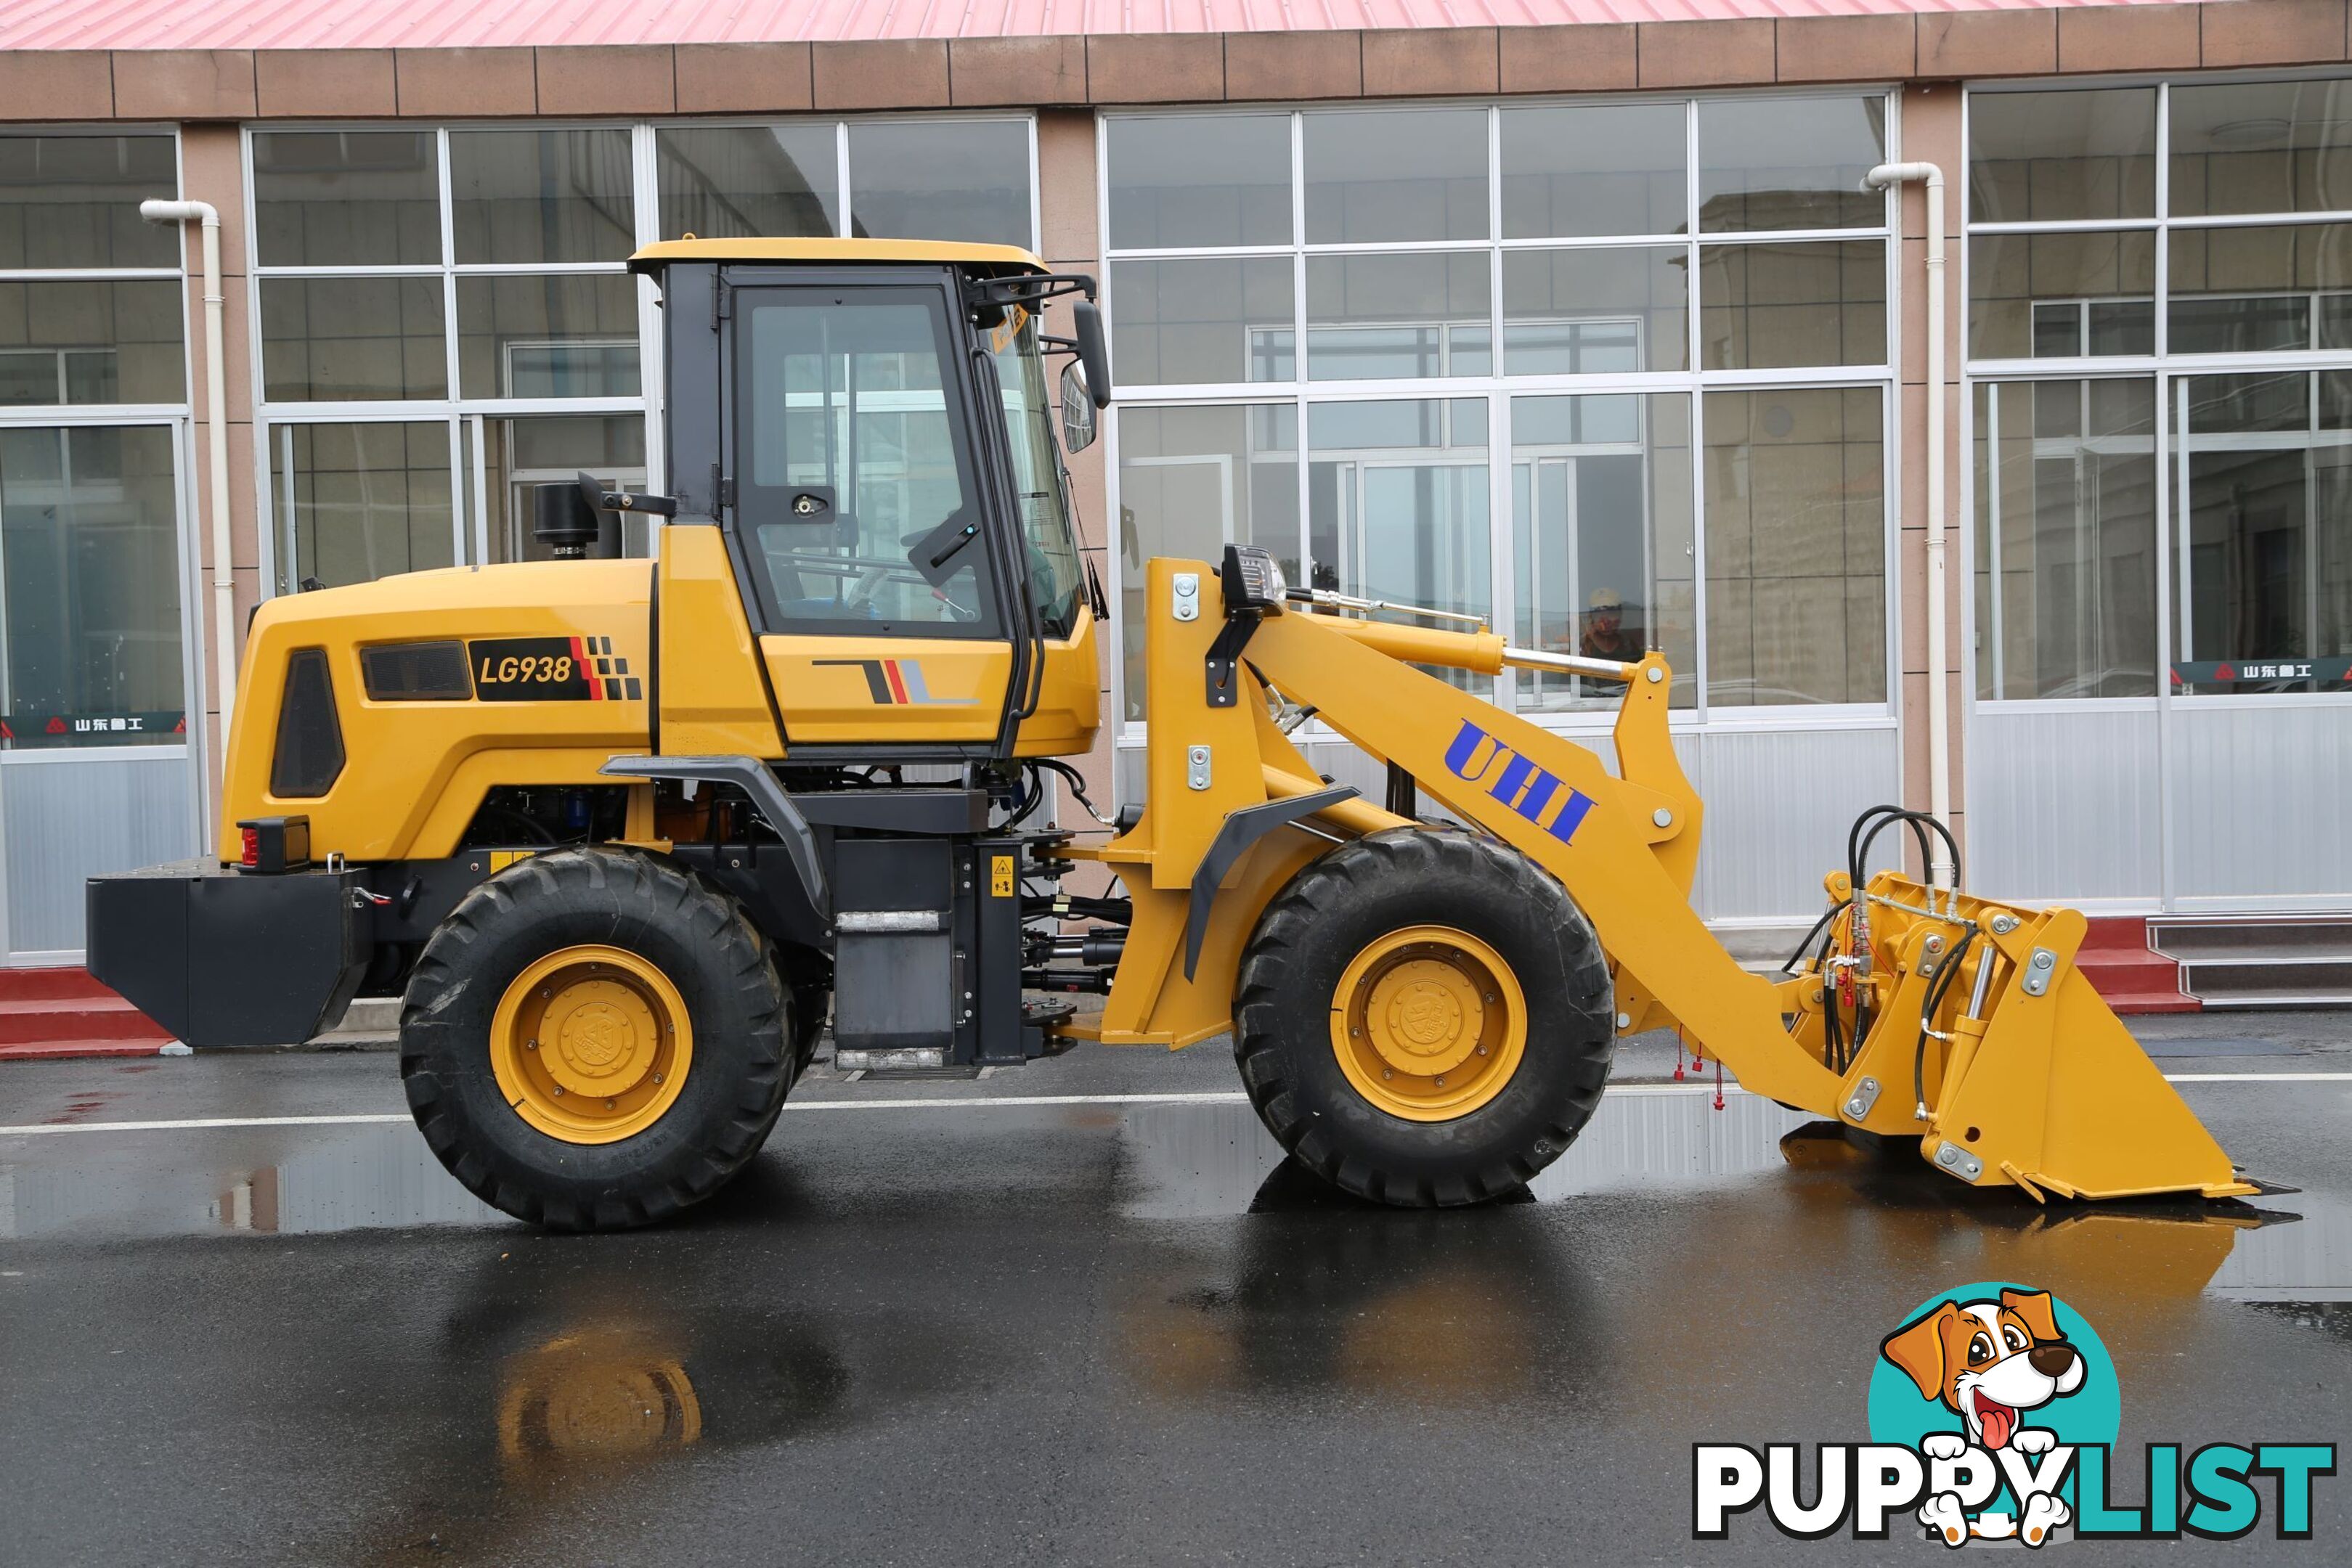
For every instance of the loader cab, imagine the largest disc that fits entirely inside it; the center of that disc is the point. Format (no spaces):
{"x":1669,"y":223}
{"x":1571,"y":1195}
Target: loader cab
{"x":872,"y":427}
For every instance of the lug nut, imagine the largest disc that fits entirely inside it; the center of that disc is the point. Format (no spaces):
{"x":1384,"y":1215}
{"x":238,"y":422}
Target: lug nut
{"x":657,"y":1078}
{"x":559,"y":1092}
{"x":1482,"y":1050}
{"x":1440,"y":1082}
{"x":1388,"y":1072}
{"x":531,"y":1045}
{"x":608,"y":1104}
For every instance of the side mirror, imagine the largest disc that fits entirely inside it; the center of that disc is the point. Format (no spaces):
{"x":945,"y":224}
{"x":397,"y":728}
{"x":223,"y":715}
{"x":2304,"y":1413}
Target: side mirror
{"x":1078,"y":410}
{"x":1093,"y":350}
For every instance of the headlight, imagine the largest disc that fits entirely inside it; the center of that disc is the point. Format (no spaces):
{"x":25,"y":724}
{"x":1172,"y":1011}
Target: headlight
{"x":1253,"y":579}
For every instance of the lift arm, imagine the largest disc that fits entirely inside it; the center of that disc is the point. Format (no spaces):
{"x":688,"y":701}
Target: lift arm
{"x":2021,"y":1077}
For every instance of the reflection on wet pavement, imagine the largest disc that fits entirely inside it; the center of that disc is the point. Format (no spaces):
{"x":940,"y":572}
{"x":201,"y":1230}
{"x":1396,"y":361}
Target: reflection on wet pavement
{"x":1138,"y":1312}
{"x":1188,"y":1161}
{"x":1181,"y":1161}
{"x":288,"y":1181}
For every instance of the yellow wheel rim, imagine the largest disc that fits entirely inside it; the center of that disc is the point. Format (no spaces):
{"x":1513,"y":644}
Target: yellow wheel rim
{"x":591,"y":1044}
{"x":1429,"y":1023}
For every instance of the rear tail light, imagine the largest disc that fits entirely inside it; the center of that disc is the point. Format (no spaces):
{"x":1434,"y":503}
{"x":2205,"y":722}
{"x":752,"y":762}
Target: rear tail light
{"x":275,"y":844}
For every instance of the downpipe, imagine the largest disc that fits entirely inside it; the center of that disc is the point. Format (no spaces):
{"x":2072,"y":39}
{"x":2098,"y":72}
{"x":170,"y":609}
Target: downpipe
{"x":1939,"y":718}
{"x":216,"y":447}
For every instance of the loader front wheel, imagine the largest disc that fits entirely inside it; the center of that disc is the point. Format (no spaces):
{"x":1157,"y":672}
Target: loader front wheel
{"x":595,"y":1040}
{"x":1424,"y":1018}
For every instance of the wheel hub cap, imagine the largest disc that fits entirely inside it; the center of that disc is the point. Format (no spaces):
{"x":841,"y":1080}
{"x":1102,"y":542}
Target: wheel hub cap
{"x":591,"y":1044}
{"x":1428,"y":1023}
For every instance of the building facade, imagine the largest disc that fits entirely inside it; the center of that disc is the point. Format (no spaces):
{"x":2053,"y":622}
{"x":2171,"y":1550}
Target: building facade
{"x":1591,"y":329}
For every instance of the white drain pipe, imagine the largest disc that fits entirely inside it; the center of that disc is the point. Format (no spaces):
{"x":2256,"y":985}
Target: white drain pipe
{"x":1940,"y":718}
{"x":216,"y":434}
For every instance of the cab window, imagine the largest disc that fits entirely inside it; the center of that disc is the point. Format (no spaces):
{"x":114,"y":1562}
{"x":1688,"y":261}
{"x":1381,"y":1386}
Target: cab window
{"x":856,"y":488}
{"x":1049,"y":553}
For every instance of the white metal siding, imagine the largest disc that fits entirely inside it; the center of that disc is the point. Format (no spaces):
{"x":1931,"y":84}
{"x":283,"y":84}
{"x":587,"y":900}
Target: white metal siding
{"x":2065,"y":806}
{"x":2260,"y":813}
{"x":1778,"y":803}
{"x":68,"y":819}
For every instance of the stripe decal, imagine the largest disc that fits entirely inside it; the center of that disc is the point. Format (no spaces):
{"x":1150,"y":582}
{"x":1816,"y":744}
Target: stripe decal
{"x":596,"y":691}
{"x":897,"y":683}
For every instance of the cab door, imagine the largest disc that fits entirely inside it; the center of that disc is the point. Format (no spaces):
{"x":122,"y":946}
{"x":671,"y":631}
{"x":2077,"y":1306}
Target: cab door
{"x":863,"y":516}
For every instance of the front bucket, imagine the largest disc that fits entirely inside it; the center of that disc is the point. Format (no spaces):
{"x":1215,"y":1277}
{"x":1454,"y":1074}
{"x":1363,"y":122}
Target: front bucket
{"x":2057,"y":1096}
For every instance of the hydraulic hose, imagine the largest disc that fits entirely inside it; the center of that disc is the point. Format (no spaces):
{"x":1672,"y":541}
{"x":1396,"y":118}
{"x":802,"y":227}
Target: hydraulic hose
{"x":1935,"y":999}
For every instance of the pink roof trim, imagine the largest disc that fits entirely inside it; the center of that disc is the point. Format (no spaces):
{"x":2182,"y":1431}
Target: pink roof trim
{"x":450,"y":24}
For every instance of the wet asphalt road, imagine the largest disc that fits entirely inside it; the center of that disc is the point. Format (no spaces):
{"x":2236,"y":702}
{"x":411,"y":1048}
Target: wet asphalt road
{"x":1092,"y":1330}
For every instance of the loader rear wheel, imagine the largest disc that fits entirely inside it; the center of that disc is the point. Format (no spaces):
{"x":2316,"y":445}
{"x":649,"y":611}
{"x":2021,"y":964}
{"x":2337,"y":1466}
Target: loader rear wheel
{"x":1424,"y":1018}
{"x":595,"y":1040}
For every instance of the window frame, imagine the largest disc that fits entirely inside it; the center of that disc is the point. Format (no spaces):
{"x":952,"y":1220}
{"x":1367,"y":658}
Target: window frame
{"x":177,"y":420}
{"x":2170,"y":373}
{"x":1498,"y":388}
{"x":469,"y":417}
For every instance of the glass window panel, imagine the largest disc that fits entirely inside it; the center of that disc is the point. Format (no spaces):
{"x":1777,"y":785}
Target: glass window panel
{"x":1796,"y":547}
{"x":1194,"y":322}
{"x":2043,"y":295}
{"x":89,"y":552}
{"x":1385,"y":316}
{"x":522,"y":196}
{"x":964,"y":180}
{"x":1200,"y":180}
{"x":83,"y":340}
{"x":2261,"y":146}
{"x":1049,"y":551}
{"x":346,"y":198}
{"x":728,"y":182}
{"x":2066,"y":479}
{"x":1575,"y":170}
{"x":2237,"y":290}
{"x":570,"y":335}
{"x":73,"y":200}
{"x":1768,"y":305}
{"x":1191,"y":481}
{"x":844,"y":395}
{"x":1395,"y":174}
{"x":2262,"y":568}
{"x":553,"y":449}
{"x":1596,"y":312}
{"x":1789,"y":163}
{"x":1397,"y":504}
{"x":1600,"y":538}
{"x":356,"y":502}
{"x":336,"y":338}
{"x":2048,"y":156}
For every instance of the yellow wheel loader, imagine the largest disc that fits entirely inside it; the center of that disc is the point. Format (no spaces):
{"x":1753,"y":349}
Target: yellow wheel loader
{"x":624,"y":832}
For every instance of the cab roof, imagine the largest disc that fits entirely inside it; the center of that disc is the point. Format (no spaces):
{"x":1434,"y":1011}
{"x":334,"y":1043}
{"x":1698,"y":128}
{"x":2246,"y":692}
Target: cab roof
{"x":992,"y":258}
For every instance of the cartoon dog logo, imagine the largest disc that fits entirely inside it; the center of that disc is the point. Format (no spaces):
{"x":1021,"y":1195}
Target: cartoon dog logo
{"x":1990,"y":1363}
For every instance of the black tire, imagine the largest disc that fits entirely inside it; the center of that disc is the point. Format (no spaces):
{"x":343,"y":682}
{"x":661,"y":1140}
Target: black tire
{"x":735,"y":1084}
{"x":1350,"y":898}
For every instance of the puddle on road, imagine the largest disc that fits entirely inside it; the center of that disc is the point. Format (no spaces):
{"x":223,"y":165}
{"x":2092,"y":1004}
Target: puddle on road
{"x":1191,"y":1161}
{"x":273,"y":1181}
{"x":1195,"y":1162}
